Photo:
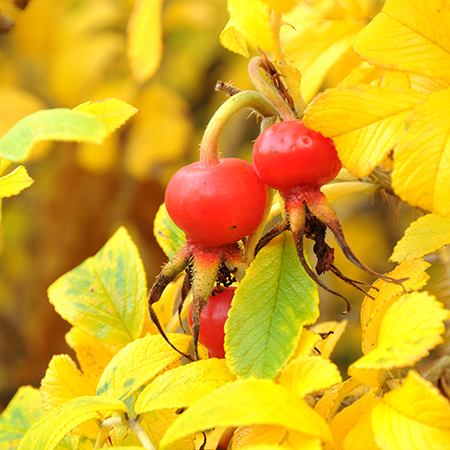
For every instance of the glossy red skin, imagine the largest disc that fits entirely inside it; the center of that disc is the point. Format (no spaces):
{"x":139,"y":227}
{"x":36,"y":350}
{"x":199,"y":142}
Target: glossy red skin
{"x":212,"y":322}
{"x":288,"y":154}
{"x":216,"y":205}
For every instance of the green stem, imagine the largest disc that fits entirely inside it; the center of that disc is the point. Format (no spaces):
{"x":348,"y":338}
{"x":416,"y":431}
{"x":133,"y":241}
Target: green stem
{"x":245,"y":99}
{"x":268,"y":91}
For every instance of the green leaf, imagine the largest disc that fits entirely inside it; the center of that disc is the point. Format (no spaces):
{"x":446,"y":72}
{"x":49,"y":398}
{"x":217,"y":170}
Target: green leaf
{"x":424,"y":236}
{"x":182,"y":386}
{"x":105,"y":295}
{"x":46,"y":433}
{"x":59,"y":124}
{"x":169,"y":237}
{"x":23,"y":410}
{"x":138,"y":363}
{"x":249,"y":401}
{"x":275,"y":299}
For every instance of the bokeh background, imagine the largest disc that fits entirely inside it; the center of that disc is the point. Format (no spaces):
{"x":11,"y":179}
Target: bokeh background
{"x":66,"y":52}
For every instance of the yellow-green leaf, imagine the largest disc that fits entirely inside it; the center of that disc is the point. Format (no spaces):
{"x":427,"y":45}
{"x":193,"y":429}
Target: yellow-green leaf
{"x":46,"y":433}
{"x":63,"y":381}
{"x":411,"y":327}
{"x":59,"y":124}
{"x":182,"y":386}
{"x":334,"y":191}
{"x":145,"y":46}
{"x":271,"y":404}
{"x":23,"y":410}
{"x":138,"y":363}
{"x":169,"y":237}
{"x":232,"y":39}
{"x":383,"y":294}
{"x":105,"y":295}
{"x":363,"y":121}
{"x":424,"y":236}
{"x":112,"y":112}
{"x":15,"y":182}
{"x":422,"y":158}
{"x":308,"y":374}
{"x":405,"y":29}
{"x":414,"y":417}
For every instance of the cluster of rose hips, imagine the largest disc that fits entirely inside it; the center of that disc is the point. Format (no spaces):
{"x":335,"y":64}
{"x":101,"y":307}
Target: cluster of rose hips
{"x":218,"y":203}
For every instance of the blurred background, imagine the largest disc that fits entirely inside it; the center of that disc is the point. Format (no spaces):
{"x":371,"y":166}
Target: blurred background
{"x":63,"y":53}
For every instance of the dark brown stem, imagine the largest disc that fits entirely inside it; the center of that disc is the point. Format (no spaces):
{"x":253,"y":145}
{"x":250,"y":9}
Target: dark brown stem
{"x":273,"y":233}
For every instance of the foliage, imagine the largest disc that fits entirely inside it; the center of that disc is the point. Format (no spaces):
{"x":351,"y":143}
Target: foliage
{"x":278,"y":386}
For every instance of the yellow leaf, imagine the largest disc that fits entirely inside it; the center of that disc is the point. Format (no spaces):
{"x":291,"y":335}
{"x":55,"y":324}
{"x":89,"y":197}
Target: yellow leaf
{"x":411,"y":327}
{"x":271,"y":404}
{"x":257,"y":436}
{"x":405,"y":29}
{"x":309,"y":374}
{"x":424,"y":236}
{"x":363,"y":122}
{"x":182,"y":386}
{"x":93,"y":355}
{"x":281,"y":6}
{"x":422,"y":158}
{"x":334,"y":191}
{"x":15,"y":182}
{"x":252,"y":18}
{"x":112,"y":112}
{"x":144,"y":49}
{"x":334,"y":331}
{"x":315,"y":44}
{"x":373,"y":309}
{"x":232,"y":39}
{"x":414,"y":417}
{"x":139,"y":362}
{"x":300,"y":441}
{"x":308,"y":341}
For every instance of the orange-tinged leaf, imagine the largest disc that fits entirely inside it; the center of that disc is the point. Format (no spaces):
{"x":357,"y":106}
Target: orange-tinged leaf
{"x":414,"y":417}
{"x":257,"y":436}
{"x":363,"y":122}
{"x":411,"y":327}
{"x":272,"y":404}
{"x":405,"y":29}
{"x":15,"y":182}
{"x":182,"y":386}
{"x":252,"y":18}
{"x":145,"y":45}
{"x":351,"y":427}
{"x":281,"y":6}
{"x":422,"y":158}
{"x":424,"y":236}
{"x":139,"y":362}
{"x":384,"y":294}
{"x":308,"y":374}
{"x":112,"y":112}
{"x":232,"y":39}
{"x":63,"y":381}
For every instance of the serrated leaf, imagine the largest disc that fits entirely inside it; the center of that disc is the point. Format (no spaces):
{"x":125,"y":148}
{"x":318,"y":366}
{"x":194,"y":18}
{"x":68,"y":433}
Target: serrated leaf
{"x":182,"y":386}
{"x":63,"y":381}
{"x":169,"y":237}
{"x":384,"y":294}
{"x":308,"y":374}
{"x":145,"y":45}
{"x":405,"y":29}
{"x":59,"y":124}
{"x":411,"y":327}
{"x":424,"y":236}
{"x":271,"y":404}
{"x":15,"y":182}
{"x":23,"y":410}
{"x":422,"y":157}
{"x":363,"y":121}
{"x":271,"y":304}
{"x":112,"y":112}
{"x":414,"y":416}
{"x":138,"y":363}
{"x":232,"y":39}
{"x":46,"y":433}
{"x":105,"y":295}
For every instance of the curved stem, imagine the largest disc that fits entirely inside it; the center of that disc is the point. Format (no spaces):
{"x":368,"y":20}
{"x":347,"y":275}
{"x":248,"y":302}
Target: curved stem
{"x":244,"y":99}
{"x":268,"y":91}
{"x":140,"y":433}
